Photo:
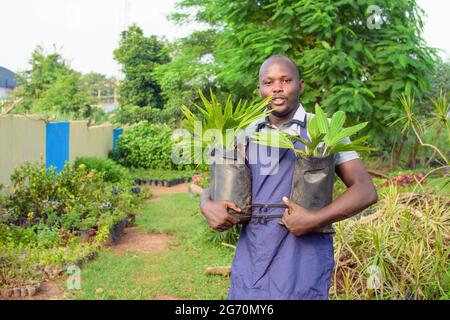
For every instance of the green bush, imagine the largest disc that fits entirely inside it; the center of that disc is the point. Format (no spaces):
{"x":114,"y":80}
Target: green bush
{"x":111,"y":171}
{"x":76,"y":198}
{"x":130,"y":114}
{"x":147,"y":145}
{"x":42,"y":219}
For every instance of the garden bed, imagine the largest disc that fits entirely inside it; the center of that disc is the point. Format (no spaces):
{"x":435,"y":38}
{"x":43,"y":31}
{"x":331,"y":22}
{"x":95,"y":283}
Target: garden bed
{"x":18,"y":288}
{"x":159,"y":177}
{"x":163,"y":183}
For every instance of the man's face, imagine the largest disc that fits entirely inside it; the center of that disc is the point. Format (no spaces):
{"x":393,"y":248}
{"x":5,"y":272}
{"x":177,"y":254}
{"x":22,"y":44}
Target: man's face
{"x":279,"y":80}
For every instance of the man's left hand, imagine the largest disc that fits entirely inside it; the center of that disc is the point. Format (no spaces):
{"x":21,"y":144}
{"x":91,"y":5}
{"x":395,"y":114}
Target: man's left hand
{"x":298,"y":220}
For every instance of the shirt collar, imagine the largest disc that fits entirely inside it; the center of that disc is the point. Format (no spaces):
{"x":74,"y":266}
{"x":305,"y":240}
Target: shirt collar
{"x":299,"y":118}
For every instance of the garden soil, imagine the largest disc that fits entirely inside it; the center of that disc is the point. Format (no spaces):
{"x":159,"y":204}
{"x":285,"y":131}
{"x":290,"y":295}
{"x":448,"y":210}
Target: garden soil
{"x":136,"y":240}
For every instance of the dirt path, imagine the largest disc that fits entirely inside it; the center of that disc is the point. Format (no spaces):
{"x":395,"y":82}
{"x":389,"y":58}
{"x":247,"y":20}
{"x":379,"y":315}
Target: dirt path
{"x":179,"y":188}
{"x":136,"y":240}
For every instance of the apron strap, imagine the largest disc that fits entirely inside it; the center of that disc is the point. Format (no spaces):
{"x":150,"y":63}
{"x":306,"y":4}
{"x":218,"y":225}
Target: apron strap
{"x":262,"y":218}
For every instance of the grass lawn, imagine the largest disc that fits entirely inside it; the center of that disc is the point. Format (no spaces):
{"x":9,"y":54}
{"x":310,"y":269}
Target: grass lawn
{"x":177,"y":272}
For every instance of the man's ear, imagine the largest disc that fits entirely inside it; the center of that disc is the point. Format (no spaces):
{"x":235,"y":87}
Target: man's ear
{"x":259,"y":91}
{"x":302,"y":86}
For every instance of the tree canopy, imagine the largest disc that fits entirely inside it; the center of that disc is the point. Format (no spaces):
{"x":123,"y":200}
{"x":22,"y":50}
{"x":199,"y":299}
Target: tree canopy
{"x":353,"y":57}
{"x":139,"y":56}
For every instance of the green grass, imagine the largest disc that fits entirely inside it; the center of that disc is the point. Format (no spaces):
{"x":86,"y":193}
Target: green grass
{"x":178,"y":271}
{"x":406,"y":242}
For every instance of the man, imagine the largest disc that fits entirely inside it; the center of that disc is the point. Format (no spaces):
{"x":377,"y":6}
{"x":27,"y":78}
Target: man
{"x":290,"y":261}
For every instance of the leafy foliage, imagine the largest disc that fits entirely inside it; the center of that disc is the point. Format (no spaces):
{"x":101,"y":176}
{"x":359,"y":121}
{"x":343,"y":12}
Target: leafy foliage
{"x":65,"y":96}
{"x":73,"y":199}
{"x":110,"y":170}
{"x":411,"y":124}
{"x":191,"y":69}
{"x":45,"y":69}
{"x":227,"y":120}
{"x":146,"y":145}
{"x":134,"y":114}
{"x":53,"y":89}
{"x":139,"y":56}
{"x":325,"y":137}
{"x":346,"y":65}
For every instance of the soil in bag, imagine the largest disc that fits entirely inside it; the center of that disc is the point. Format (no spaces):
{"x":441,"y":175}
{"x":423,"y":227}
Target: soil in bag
{"x":312,"y":184}
{"x":231,"y":180}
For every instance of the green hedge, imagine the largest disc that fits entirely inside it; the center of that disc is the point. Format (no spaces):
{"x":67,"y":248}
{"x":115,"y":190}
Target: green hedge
{"x":147,"y":145}
{"x":111,"y":171}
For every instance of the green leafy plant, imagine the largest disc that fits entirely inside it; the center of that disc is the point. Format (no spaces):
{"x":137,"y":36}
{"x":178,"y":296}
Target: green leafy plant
{"x":76,"y":198}
{"x":112,"y":172}
{"x":439,"y":120}
{"x":326,"y":137}
{"x":346,"y":65}
{"x":147,"y":145}
{"x":227,"y":118}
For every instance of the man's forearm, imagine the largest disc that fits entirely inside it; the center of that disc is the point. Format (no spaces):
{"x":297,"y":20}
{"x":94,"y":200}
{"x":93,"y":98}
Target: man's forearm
{"x":352,"y":201}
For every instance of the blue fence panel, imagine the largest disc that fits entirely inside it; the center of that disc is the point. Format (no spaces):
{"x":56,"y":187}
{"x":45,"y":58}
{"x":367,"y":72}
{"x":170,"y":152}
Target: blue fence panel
{"x":57,"y":145}
{"x":116,"y":134}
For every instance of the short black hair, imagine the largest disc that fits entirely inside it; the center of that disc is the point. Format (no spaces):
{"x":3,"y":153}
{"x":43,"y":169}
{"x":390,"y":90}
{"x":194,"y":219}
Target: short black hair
{"x":282,"y":57}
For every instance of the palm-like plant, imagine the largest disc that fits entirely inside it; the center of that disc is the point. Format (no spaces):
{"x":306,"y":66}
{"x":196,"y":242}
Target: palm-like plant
{"x":225,"y":120}
{"x":326,"y":137}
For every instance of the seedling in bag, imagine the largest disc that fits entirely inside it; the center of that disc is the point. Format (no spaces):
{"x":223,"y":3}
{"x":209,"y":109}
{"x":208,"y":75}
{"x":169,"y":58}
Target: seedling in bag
{"x":230,"y":176}
{"x":313,"y":178}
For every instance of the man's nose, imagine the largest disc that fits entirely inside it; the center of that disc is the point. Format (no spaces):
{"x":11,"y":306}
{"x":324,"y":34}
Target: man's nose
{"x":277,"y":88}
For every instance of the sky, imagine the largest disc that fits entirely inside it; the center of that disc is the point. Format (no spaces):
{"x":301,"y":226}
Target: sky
{"x":87,"y":31}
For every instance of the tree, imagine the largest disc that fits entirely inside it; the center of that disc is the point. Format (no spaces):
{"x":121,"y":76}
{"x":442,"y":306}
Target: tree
{"x":353,"y":57}
{"x":191,"y":69}
{"x":440,"y":79}
{"x":51,"y":88}
{"x":139,"y":56}
{"x":45,"y":69}
{"x":65,"y":97}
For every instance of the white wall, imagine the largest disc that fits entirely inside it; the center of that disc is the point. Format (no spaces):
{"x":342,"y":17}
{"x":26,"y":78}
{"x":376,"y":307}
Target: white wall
{"x":4,"y":93}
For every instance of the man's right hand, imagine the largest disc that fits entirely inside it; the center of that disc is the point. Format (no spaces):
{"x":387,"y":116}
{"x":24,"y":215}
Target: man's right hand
{"x":216,"y":214}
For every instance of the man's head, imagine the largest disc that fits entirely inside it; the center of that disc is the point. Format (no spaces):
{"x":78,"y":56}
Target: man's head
{"x":279,"y":78}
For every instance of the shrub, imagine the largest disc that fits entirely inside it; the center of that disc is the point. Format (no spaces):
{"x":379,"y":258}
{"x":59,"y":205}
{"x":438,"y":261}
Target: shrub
{"x":146,"y":145}
{"x":111,"y":171}
{"x":74,"y":199}
{"x":400,"y":251}
{"x":130,"y":114}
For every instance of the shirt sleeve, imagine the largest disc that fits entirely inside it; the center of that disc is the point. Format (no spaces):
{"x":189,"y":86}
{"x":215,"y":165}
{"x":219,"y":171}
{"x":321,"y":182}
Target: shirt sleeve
{"x":345,"y":156}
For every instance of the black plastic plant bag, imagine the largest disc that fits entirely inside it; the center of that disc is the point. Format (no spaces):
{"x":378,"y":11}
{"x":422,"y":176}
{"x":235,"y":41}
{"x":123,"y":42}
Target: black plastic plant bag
{"x":312,"y":184}
{"x":231,"y":180}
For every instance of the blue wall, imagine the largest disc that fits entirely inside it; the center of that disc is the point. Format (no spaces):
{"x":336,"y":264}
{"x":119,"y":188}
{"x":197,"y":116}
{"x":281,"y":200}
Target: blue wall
{"x":57,"y":145}
{"x":116,"y":134}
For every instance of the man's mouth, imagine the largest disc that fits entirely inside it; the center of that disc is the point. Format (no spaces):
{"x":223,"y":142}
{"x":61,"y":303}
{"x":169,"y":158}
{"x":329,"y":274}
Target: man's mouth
{"x":278,"y":100}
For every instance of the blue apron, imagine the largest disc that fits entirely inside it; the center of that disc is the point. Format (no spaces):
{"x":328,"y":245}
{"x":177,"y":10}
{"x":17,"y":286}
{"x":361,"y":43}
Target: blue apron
{"x":270,"y":262}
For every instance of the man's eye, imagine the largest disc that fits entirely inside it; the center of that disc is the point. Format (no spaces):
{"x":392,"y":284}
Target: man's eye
{"x":267,"y":83}
{"x":287,"y":80}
